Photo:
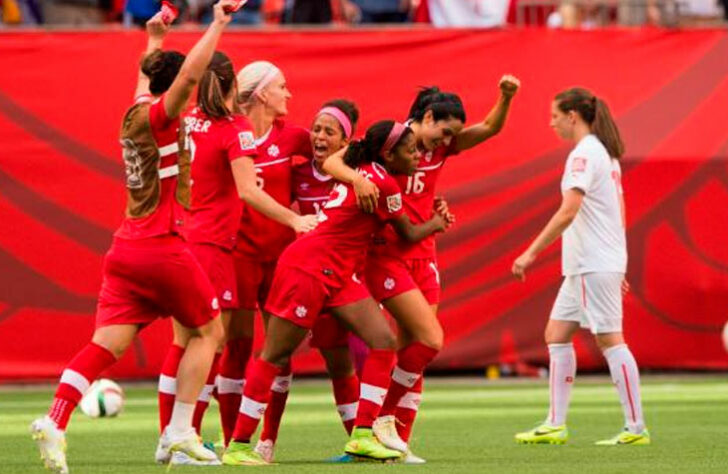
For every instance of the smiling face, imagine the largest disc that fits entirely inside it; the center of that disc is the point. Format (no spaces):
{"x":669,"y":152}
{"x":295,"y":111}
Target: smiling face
{"x":276,"y":95}
{"x":404,"y":158}
{"x":433,"y":133}
{"x":327,"y":137}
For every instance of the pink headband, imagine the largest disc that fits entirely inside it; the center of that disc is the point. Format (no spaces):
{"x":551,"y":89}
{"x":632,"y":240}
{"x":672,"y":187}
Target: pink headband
{"x":340,"y":116}
{"x":269,"y":76}
{"x":394,"y":135}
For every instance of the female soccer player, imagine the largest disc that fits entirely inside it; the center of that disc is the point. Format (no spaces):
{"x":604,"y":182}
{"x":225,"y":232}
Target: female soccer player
{"x":148,"y":271}
{"x":332,"y":129}
{"x":591,"y":222}
{"x":316,"y":272}
{"x":403,"y":276}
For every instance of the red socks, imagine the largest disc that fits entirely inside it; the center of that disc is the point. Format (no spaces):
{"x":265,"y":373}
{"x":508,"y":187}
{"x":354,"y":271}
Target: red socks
{"x":411,"y":362}
{"x":258,"y":380}
{"x":274,"y":412}
{"x":346,"y":394}
{"x":167,"y":388}
{"x":76,"y":379}
{"x":229,"y":382}
{"x":407,"y":410}
{"x":203,"y":401}
{"x":374,"y":384}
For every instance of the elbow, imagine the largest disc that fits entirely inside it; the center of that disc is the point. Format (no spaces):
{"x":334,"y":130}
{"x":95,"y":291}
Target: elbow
{"x":246,"y":193}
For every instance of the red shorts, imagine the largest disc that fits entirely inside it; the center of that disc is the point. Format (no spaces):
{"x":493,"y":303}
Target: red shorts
{"x":151,"y":278}
{"x":387,"y":277}
{"x":301,"y":297}
{"x":328,"y":332}
{"x":218,"y":265}
{"x":254,"y":279}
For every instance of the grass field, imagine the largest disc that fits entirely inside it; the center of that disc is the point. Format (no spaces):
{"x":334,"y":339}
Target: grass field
{"x":464,"y":426}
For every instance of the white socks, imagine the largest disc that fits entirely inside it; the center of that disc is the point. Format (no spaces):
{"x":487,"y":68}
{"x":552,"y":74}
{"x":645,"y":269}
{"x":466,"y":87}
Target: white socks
{"x":561,"y":379}
{"x":626,"y":378}
{"x":181,"y":421}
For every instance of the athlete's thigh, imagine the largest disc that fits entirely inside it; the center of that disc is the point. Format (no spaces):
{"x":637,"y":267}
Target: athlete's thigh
{"x":415,"y":316}
{"x":367,"y":321}
{"x":282,"y":339}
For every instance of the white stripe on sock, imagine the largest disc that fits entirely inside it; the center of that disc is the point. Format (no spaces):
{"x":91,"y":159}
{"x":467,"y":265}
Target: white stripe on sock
{"x":75,"y":380}
{"x":372,"y":393}
{"x":410,"y":401}
{"x":403,"y":377}
{"x":226,"y":385}
{"x":347,"y":411}
{"x":252,"y":408}
{"x":282,"y":383}
{"x":167,"y":385}
{"x":206,"y":393}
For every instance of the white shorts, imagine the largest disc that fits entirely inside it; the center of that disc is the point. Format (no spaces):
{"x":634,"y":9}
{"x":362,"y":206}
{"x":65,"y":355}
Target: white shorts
{"x":594,"y":300}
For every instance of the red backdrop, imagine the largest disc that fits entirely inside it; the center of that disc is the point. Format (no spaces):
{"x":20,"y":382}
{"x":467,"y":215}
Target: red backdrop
{"x":61,"y":197}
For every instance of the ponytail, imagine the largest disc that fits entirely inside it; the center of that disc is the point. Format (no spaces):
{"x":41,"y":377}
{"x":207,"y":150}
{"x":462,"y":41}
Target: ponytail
{"x":595,"y":113}
{"x":215,"y":87}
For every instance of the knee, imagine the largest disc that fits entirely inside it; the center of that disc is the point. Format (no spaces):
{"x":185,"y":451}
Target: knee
{"x":434,"y":339}
{"x":116,"y":347}
{"x":385,"y":340}
{"x":213,"y":331}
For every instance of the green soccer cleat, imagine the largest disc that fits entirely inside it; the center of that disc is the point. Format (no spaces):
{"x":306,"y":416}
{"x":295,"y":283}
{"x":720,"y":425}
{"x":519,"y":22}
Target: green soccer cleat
{"x":625,"y":437}
{"x":51,"y":443}
{"x":363,"y":444}
{"x":544,"y":434}
{"x":241,"y":454}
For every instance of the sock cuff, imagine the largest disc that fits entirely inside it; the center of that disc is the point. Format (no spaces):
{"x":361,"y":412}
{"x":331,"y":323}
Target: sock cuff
{"x":615,"y":350}
{"x":415,"y":357}
{"x":104,"y":352}
{"x":561,"y":348}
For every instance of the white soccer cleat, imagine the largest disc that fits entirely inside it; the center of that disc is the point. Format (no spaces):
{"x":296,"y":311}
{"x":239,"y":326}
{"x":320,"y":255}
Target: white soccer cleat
{"x":51,"y":443}
{"x":183,"y":459}
{"x":162,"y":454}
{"x":189,"y":443}
{"x":412,"y":458}
{"x":265,"y":448}
{"x":385,"y":429}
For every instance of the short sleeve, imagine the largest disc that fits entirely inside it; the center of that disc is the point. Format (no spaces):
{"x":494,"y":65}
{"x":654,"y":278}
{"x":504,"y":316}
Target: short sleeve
{"x":390,"y":199}
{"x":158,"y":115}
{"x":303,"y":143}
{"x":239,"y":141}
{"x":579,"y":172}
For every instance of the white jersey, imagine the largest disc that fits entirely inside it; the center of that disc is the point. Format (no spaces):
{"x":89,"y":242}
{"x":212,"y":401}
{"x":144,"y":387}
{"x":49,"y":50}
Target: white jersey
{"x":595,"y":241}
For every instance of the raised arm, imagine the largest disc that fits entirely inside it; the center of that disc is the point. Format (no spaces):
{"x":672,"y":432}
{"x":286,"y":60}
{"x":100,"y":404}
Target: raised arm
{"x":248,"y":190}
{"x":156,"y":31}
{"x":570,"y":205}
{"x":366,"y":192}
{"x":494,"y":121}
{"x":196,"y":62}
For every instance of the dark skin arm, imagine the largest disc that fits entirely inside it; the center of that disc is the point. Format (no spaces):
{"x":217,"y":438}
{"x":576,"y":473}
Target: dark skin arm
{"x":412,"y":233}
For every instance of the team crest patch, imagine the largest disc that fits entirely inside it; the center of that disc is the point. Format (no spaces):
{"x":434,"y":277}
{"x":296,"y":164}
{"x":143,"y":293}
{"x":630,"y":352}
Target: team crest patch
{"x":273,"y":151}
{"x":301,"y":311}
{"x":227,"y":295}
{"x":394,"y":202}
{"x":389,"y":284}
{"x":247,"y":141}
{"x":578,"y":165}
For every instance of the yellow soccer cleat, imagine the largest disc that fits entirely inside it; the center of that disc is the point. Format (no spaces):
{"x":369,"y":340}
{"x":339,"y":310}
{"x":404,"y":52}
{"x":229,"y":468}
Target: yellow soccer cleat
{"x":544,"y":434}
{"x":625,"y":437}
{"x":242,"y":454}
{"x":363,"y":444}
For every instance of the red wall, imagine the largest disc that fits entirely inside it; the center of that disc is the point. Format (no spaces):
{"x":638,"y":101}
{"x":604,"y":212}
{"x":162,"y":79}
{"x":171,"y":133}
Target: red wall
{"x":62,"y":96}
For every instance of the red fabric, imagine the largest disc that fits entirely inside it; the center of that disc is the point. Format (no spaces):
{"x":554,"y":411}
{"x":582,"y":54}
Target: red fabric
{"x":274,"y":412}
{"x":232,"y":365}
{"x":258,"y":379}
{"x":170,"y":365}
{"x":406,"y":416}
{"x":346,"y":391}
{"x":388,"y":277}
{"x":254,"y":278}
{"x":219,"y":266}
{"x":328,"y":333}
{"x":216,"y":208}
{"x":413,"y":358}
{"x":61,"y":202}
{"x":310,"y":187}
{"x":376,"y":373}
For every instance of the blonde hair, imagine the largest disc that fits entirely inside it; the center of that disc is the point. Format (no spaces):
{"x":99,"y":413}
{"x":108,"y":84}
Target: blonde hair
{"x":250,"y":77}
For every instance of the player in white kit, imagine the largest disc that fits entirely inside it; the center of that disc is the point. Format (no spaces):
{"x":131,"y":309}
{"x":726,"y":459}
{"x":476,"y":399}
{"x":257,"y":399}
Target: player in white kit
{"x":591,"y":222}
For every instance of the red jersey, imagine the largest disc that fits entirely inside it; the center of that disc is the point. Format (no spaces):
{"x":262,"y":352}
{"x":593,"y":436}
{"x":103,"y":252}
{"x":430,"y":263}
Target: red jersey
{"x":419,"y":198}
{"x":338,"y":246}
{"x":216,"y":208}
{"x":259,"y":236}
{"x":149,"y":143}
{"x":311,"y":189}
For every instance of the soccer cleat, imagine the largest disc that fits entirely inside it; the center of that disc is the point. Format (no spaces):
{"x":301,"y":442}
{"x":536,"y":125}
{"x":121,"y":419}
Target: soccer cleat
{"x":363,"y":444}
{"x":189,"y":444}
{"x":51,"y":443}
{"x":162,"y":454}
{"x":179,"y":458}
{"x":625,"y":437}
{"x":544,"y":434}
{"x":412,"y":458}
{"x":242,"y":454}
{"x":265,"y":449}
{"x":385,"y":429}
{"x":341,"y":459}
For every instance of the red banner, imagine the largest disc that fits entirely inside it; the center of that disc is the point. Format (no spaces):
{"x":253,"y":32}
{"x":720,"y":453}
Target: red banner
{"x":62,"y":96}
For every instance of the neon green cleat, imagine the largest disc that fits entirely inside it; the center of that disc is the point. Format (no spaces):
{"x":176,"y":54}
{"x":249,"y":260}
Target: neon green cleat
{"x":241,"y":454}
{"x":625,"y":437}
{"x":544,"y":434}
{"x":363,"y":444}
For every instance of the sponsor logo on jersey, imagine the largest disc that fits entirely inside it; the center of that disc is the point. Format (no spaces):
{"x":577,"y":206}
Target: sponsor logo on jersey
{"x":389,"y":284}
{"x":247,"y":141}
{"x":227,"y":295}
{"x":301,"y":311}
{"x":273,"y":151}
{"x":578,"y":165}
{"x":394,"y":202}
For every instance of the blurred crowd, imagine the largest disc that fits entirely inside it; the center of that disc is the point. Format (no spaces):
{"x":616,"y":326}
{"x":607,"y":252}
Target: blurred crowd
{"x":583,"y":14}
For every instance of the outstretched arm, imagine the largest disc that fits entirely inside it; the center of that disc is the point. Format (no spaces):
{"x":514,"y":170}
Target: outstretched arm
{"x":366,"y":192}
{"x":156,"y":31}
{"x":494,"y":121}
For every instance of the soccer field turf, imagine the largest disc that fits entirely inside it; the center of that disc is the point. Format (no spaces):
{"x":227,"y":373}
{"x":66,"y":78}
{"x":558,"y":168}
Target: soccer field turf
{"x":464,"y":426}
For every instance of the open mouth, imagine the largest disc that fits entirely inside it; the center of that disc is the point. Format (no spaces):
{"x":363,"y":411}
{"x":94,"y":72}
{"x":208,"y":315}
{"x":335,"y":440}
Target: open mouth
{"x":320,"y":150}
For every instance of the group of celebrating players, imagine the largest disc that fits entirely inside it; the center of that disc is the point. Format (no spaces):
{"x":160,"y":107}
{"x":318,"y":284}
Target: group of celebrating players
{"x":210,"y":237}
